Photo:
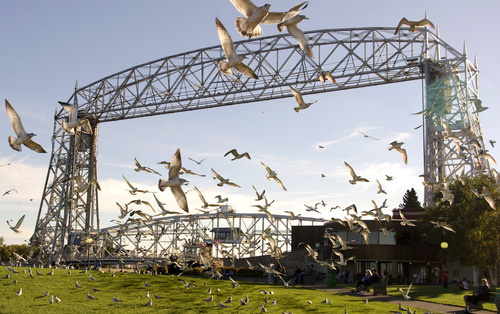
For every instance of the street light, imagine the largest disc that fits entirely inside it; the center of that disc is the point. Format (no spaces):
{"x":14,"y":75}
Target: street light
{"x":444,"y":246}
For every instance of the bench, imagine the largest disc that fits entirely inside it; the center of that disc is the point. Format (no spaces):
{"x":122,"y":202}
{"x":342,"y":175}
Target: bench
{"x":380,"y":287}
{"x":311,"y":279}
{"x":491,"y":299}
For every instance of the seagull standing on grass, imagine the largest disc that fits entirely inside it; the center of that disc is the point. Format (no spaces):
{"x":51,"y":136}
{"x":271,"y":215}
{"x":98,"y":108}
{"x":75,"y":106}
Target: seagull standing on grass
{"x":22,"y":138}
{"x":91,"y":297}
{"x":174,"y":182}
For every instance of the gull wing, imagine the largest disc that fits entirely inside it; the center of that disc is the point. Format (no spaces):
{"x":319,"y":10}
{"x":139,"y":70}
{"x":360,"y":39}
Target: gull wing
{"x":298,"y":96}
{"x":19,"y":222}
{"x":175,"y":166}
{"x":225,"y":40}
{"x":245,"y":70}
{"x":245,"y":7}
{"x":15,"y":120}
{"x":180,"y":198}
{"x":35,"y":146}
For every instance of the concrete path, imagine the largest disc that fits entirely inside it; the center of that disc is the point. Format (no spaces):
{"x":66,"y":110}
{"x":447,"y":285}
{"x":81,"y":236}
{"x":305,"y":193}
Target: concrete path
{"x":434,"y":307}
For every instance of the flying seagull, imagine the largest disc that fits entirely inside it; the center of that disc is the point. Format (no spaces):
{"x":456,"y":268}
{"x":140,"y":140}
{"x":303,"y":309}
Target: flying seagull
{"x":143,"y":168}
{"x":324,"y":76}
{"x":237,"y":155}
{"x":355,"y":177}
{"x":397,"y":146}
{"x":380,"y":190}
{"x":366,"y":135}
{"x":271,"y":174}
{"x":297,"y":33}
{"x":414,"y":25}
{"x":17,"y":226}
{"x":133,"y":190}
{"x":73,"y":121}
{"x":223,"y":181}
{"x":196,"y":161}
{"x":259,"y":196}
{"x":405,"y":293}
{"x":174,"y":182}
{"x":302,"y":104}
{"x":233,"y":60}
{"x":22,"y":136}
{"x":249,"y":27}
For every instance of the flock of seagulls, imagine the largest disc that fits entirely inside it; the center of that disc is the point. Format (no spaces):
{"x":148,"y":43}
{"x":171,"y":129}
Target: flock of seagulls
{"x":249,"y":27}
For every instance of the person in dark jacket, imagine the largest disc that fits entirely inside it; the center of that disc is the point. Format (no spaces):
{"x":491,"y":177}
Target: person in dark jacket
{"x":482,"y":293}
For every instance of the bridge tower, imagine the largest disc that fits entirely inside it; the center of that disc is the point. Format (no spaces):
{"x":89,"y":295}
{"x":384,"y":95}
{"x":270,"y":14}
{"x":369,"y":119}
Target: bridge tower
{"x":357,"y":57}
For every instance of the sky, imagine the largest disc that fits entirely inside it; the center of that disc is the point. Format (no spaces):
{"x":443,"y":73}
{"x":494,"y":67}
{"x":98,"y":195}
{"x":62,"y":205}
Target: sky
{"x":49,"y":46}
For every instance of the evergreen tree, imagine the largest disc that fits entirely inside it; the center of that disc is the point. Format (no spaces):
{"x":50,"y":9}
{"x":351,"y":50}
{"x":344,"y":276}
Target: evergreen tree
{"x":476,"y":240}
{"x":410,"y":200}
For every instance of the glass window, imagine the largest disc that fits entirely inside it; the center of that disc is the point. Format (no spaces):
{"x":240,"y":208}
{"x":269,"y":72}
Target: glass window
{"x":389,"y":238}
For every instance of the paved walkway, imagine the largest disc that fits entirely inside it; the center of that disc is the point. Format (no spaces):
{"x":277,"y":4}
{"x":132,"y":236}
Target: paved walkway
{"x":434,"y":307}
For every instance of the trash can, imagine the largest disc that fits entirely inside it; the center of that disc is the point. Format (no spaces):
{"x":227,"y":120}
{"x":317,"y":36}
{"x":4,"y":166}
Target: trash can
{"x":331,"y":277}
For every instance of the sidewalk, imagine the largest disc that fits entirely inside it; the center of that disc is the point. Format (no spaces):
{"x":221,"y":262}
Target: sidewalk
{"x":434,"y":307}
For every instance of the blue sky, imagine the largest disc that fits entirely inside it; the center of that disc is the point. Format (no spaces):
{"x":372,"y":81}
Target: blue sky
{"x":49,"y":45}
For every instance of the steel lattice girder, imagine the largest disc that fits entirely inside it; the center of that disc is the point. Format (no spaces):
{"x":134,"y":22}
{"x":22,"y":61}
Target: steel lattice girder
{"x":356,"y":57}
{"x":167,"y":235}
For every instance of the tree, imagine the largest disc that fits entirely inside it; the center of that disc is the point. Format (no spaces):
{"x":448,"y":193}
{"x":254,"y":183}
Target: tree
{"x":410,"y":200}
{"x":476,"y":240}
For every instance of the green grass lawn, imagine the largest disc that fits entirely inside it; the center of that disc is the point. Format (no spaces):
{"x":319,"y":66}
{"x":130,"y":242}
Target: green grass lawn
{"x":175,"y":298}
{"x":437,"y":294}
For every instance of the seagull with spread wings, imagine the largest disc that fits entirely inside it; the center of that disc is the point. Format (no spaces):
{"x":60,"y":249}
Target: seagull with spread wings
{"x":414,"y":25}
{"x":237,"y":155}
{"x":397,"y":146}
{"x":380,"y":189}
{"x":133,"y":190}
{"x":17,"y":226}
{"x":366,"y":135}
{"x":355,"y":177}
{"x":249,"y":26}
{"x":302,"y":104}
{"x":233,"y":60}
{"x":139,"y":167}
{"x":223,"y":181}
{"x":22,"y":138}
{"x":297,"y":33}
{"x":271,"y":174}
{"x":73,"y":121}
{"x":174,"y":182}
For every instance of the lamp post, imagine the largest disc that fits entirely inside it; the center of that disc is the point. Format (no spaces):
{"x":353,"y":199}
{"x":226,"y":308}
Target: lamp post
{"x":444,"y":246}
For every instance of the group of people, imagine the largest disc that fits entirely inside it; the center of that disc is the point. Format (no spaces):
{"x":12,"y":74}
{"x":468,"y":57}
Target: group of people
{"x":298,"y":274}
{"x":371,"y":277}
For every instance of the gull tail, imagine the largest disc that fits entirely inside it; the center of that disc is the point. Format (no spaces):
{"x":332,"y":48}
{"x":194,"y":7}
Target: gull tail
{"x":243,"y":27}
{"x":162,"y":185}
{"x":224,"y":68}
{"x":12,"y":143}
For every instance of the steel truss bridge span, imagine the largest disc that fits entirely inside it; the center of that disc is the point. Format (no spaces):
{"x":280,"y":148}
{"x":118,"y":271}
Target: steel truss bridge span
{"x":356,"y":57}
{"x":226,"y":235}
